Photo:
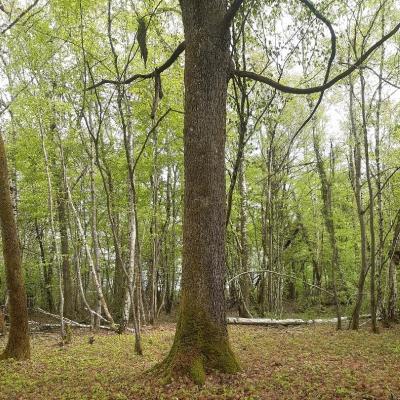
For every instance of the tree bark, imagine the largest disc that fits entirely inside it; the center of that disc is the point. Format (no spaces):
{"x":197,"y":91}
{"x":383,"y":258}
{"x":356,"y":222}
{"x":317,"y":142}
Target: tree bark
{"x":154,"y":230}
{"x":47,"y":268}
{"x":327,"y":212}
{"x":100,"y":296}
{"x":62,"y":208}
{"x":244,"y":282}
{"x":372,"y":257}
{"x":2,"y":323}
{"x":201,"y":339}
{"x":95,"y":242}
{"x":54,"y":242}
{"x":18,"y":345}
{"x":394,"y":261}
{"x":378,"y":180}
{"x":355,"y":174}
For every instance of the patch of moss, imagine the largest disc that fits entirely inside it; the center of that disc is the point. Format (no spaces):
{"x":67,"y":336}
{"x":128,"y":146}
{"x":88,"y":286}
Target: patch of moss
{"x":200,"y":345}
{"x":197,"y":371}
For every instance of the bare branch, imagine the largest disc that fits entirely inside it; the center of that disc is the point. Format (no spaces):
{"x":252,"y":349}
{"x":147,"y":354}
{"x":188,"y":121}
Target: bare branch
{"x":21,"y":15}
{"x":279,"y":274}
{"x":386,"y":80}
{"x":174,"y":56}
{"x":322,"y":18}
{"x":155,"y":126}
{"x":327,"y":85}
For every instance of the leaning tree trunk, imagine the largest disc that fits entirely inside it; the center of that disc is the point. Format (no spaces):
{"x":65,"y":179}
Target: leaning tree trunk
{"x":201,"y":338}
{"x":18,"y":346}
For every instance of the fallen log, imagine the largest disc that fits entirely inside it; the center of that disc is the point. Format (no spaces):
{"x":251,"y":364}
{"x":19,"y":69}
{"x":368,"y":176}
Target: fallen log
{"x":66,"y":320}
{"x":285,"y":322}
{"x":74,"y":323}
{"x":38,"y":327}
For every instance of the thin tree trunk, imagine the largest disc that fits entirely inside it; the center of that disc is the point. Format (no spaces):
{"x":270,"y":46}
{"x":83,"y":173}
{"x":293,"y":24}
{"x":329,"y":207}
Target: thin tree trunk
{"x":244,"y":282}
{"x":95,"y":243}
{"x":355,"y":173}
{"x":130,"y":289}
{"x":55,"y":246}
{"x":47,"y":270}
{"x":82,"y":235}
{"x":174,"y":238}
{"x":105,"y":173}
{"x":326,"y":191}
{"x":62,"y":205}
{"x":153,"y":272}
{"x":372,"y":257}
{"x":381,"y":242}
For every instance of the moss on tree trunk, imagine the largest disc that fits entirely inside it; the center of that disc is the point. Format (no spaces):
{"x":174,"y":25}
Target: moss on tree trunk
{"x":200,"y":345}
{"x":18,"y":346}
{"x":201,"y":340}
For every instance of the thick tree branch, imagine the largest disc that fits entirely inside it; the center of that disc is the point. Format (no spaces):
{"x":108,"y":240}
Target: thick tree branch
{"x":327,"y":85}
{"x":230,"y":14}
{"x":174,"y":56}
{"x":328,"y":24}
{"x":21,"y":15}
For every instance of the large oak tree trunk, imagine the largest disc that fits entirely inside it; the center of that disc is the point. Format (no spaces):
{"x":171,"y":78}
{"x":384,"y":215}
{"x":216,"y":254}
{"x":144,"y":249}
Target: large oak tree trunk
{"x":18,"y":346}
{"x":201,"y":339}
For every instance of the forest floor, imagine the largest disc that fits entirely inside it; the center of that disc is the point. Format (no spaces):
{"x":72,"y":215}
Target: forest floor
{"x":306,"y":362}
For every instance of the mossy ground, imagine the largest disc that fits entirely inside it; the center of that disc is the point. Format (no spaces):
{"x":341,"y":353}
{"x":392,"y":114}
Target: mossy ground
{"x":292,"y":363}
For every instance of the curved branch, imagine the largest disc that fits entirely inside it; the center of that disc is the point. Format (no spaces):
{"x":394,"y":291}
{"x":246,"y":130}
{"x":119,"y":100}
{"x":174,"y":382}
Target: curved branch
{"x":323,"y":87}
{"x":174,"y":56}
{"x":328,"y":24}
{"x":279,"y":274}
{"x":322,"y":18}
{"x":230,"y":14}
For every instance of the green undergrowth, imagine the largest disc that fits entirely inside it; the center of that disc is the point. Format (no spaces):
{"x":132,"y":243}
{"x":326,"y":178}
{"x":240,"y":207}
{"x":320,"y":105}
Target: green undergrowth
{"x":314,"y":362}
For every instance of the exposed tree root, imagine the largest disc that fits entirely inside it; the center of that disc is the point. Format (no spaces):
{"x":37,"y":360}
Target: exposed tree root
{"x":199,"y":347}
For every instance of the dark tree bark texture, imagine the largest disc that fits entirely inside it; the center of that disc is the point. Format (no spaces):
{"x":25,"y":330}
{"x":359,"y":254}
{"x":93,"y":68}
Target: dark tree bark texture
{"x":201,"y":340}
{"x":18,"y":346}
